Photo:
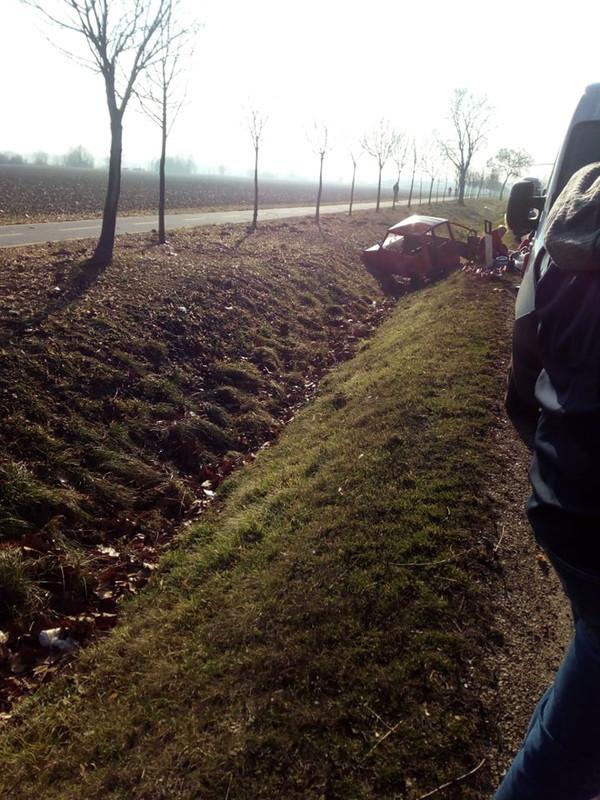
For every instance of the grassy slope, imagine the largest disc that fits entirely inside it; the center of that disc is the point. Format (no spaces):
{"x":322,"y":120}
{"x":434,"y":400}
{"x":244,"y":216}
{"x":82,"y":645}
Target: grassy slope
{"x":116,"y":405}
{"x":292,"y":647}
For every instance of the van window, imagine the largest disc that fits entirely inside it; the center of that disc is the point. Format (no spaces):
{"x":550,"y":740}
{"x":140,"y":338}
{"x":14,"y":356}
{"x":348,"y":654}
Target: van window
{"x":583,"y":148}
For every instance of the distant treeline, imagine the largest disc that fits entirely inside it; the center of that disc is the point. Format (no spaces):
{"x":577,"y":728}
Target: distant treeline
{"x":75,"y":157}
{"x":82,"y":158}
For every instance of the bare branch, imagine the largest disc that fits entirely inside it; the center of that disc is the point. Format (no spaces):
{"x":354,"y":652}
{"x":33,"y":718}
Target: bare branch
{"x":380,"y":145}
{"x":124,"y":40}
{"x":380,"y":142}
{"x":256,"y":123}
{"x":470,"y":119}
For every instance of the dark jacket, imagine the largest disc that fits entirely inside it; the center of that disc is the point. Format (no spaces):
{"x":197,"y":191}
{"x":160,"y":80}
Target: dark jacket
{"x":564,"y":507}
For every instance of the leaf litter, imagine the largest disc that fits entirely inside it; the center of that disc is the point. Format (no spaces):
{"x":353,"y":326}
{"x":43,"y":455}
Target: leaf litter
{"x":126,"y":400}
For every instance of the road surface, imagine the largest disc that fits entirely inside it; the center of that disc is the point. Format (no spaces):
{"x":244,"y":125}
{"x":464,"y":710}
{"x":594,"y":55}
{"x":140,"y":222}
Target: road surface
{"x":36,"y":233}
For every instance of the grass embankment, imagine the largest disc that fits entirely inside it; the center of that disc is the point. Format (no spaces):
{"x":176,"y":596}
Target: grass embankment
{"x":124,"y":403}
{"x":312,"y":637}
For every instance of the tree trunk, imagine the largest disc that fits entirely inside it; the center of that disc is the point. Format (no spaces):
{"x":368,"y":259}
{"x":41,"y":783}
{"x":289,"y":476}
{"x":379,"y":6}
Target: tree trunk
{"x":318,"y":214}
{"x":420,"y":190}
{"x":431,"y":190}
{"x":379,"y":188}
{"x":255,"y":214}
{"x":410,"y":194}
{"x":352,"y":190}
{"x":106,"y":243}
{"x":503,"y":187}
{"x":481,"y":182}
{"x":461,"y":188}
{"x":162,"y":234}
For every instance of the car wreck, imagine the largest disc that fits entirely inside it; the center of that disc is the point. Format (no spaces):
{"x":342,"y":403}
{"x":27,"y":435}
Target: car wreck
{"x":420,"y":249}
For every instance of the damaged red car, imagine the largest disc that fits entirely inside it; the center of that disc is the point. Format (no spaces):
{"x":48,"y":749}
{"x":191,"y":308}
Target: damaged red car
{"x":421,"y":248}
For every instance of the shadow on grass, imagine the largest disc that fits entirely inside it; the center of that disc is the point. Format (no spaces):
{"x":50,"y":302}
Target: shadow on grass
{"x":392,"y":285}
{"x":82,"y":278}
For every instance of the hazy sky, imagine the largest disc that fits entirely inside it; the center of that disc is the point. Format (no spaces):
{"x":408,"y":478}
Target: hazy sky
{"x":344,"y":63}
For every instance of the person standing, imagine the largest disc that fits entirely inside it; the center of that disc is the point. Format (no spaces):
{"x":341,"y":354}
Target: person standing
{"x":498,"y":246}
{"x":560,"y":756}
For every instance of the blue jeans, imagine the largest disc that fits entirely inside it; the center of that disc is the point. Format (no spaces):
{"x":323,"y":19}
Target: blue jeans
{"x":560,"y":756}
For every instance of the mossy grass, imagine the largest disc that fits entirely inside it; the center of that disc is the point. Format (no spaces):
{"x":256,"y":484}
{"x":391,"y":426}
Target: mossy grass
{"x":241,"y":374}
{"x":19,"y":593}
{"x":312,"y":636}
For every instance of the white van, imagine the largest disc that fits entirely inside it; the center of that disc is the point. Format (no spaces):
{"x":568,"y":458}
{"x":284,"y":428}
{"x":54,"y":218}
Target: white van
{"x":527,"y":212}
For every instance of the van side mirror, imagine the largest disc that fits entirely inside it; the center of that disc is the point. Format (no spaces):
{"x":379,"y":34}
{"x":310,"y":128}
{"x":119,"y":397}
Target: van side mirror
{"x":524,"y":206}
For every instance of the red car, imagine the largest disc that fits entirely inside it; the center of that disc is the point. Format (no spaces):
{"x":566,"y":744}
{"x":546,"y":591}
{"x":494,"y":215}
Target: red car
{"x":421,"y":248}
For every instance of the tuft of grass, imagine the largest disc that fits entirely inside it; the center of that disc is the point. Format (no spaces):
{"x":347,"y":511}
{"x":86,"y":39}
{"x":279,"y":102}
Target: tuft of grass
{"x":159,"y":389}
{"x":240,"y":374}
{"x":131,"y":470}
{"x":267,"y":357}
{"x":155,"y":352}
{"x":25,"y":500}
{"x":258,"y":426}
{"x":19,"y":592}
{"x":191,"y":440}
{"x":232,"y":399}
{"x":216,"y":414}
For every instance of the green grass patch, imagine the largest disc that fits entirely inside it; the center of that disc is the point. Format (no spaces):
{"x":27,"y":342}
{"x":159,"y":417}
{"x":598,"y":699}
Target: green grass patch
{"x":312,"y":636}
{"x":242,"y":375}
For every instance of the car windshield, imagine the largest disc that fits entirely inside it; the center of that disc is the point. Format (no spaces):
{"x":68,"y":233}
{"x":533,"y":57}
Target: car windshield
{"x":393,"y":242}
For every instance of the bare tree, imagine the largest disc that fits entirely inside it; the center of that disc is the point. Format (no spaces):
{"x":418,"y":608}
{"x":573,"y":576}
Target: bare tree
{"x":256,"y":124}
{"x":399,"y":157}
{"x":414,"y":160}
{"x":78,"y":157}
{"x":162,"y":92}
{"x":481,"y":182}
{"x":379,"y":144}
{"x":430,"y":165}
{"x":510,"y":164}
{"x":355,"y":156}
{"x":123,"y":39}
{"x":319,"y":139}
{"x":470,"y":118}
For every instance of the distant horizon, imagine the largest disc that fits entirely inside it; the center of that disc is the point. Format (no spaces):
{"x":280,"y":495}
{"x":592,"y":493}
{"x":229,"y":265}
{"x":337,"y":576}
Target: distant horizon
{"x":213,"y":172}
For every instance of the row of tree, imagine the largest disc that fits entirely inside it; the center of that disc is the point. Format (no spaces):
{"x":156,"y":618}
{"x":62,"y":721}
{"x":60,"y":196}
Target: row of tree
{"x":454,"y":153}
{"x":141,"y":49}
{"x":79,"y":157}
{"x":75,"y":157}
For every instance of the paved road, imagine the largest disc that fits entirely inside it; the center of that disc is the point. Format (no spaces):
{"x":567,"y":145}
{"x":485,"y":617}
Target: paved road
{"x":34,"y":233}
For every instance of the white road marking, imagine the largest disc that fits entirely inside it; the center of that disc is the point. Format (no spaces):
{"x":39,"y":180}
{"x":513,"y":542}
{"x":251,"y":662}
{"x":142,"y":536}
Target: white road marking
{"x":150,"y":222}
{"x":85,"y":228}
{"x":12,"y":234}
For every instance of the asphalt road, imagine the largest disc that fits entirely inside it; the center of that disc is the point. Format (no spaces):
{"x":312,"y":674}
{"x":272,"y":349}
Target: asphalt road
{"x":36,"y":233}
